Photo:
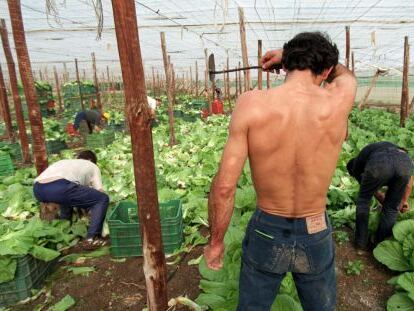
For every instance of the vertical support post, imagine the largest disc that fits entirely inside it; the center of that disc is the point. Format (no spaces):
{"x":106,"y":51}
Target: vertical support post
{"x":153,"y":83}
{"x":196,"y":79}
{"x":259,"y":63}
{"x":237,"y":83}
{"x":268,"y":80}
{"x":24,"y":142}
{"x":65,"y":73}
{"x":79,"y":85}
{"x":83,"y":74}
{"x":240,"y":80}
{"x":206,"y":75}
{"x":57,"y":88}
{"x":5,"y":109}
{"x":40,"y":75}
{"x":404,"y":92}
{"x":353,"y":62}
{"x":169,"y":81}
{"x":35,"y":117}
{"x":191,"y":82}
{"x":244,"y":50}
{"x":139,"y":119}
{"x":158,"y":83}
{"x":228,"y":82}
{"x":347,"y":46}
{"x":96,"y":82}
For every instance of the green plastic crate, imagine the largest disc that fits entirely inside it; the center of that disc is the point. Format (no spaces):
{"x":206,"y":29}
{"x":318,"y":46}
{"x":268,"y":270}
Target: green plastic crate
{"x":178,"y":114}
{"x":198,"y":104}
{"x":100,"y":140}
{"x":30,"y":274}
{"x":6,"y":164}
{"x":124,"y":228}
{"x":55,"y":146}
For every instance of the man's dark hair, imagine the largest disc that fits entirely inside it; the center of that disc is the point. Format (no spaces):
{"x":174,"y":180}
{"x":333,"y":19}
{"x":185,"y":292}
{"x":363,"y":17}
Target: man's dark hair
{"x":350,"y":166}
{"x":310,"y":50}
{"x":87,"y":155}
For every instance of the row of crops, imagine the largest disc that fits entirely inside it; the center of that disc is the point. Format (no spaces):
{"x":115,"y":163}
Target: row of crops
{"x":184,"y":172}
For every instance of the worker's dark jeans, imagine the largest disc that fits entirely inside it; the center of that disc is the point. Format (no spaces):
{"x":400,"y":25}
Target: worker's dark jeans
{"x":390,"y":168}
{"x":80,"y":116}
{"x":69,"y":194}
{"x":275,"y":245}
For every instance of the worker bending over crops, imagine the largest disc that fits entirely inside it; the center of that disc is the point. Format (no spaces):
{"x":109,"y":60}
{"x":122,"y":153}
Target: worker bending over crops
{"x":377,"y":165}
{"x":292,"y":135}
{"x":76,"y":183}
{"x":94,"y":118}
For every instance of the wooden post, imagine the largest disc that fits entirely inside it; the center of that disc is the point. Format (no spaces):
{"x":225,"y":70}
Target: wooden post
{"x":206,"y":75}
{"x":40,"y":75}
{"x":96,"y":82}
{"x":373,"y":82}
{"x":347,"y":46}
{"x":404,"y":92}
{"x":196,"y":79}
{"x":240,"y":80}
{"x":228,"y":82}
{"x":191,"y":82}
{"x":24,"y":142}
{"x":169,"y":81}
{"x":139,"y":119}
{"x":237,"y":83}
{"x":65,"y":73}
{"x":268,"y":80}
{"x":353,"y":62}
{"x":35,"y":117}
{"x":58,"y":88}
{"x":5,"y":109}
{"x":158,"y":84}
{"x":244,"y":50}
{"x":153,"y":83}
{"x":79,"y":85}
{"x":259,"y":63}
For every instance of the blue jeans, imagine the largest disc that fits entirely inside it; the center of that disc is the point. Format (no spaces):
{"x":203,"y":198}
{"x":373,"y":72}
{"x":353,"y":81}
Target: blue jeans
{"x":80,"y":116}
{"x":69,"y":194}
{"x":390,"y":168}
{"x":275,"y":245}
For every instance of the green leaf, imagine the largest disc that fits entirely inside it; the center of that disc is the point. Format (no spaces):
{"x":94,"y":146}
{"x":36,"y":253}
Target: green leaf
{"x":390,"y":253}
{"x":403,"y":229}
{"x":43,"y":253}
{"x":81,"y":270}
{"x":406,"y":281}
{"x":286,"y":303}
{"x":211,"y":300}
{"x":400,"y":302}
{"x":7,"y":269}
{"x":64,"y":304}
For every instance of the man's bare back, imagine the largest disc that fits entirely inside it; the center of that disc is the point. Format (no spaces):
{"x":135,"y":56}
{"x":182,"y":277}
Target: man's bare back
{"x":295,"y":133}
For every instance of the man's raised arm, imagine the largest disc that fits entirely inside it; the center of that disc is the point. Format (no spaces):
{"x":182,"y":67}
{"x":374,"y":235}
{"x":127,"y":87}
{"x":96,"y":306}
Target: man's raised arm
{"x":223,"y":188}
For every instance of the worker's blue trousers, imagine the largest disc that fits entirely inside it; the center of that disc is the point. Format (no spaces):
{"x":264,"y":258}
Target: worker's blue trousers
{"x":69,"y":194}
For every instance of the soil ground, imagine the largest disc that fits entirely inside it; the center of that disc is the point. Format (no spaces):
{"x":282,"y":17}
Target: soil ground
{"x":121,"y":285}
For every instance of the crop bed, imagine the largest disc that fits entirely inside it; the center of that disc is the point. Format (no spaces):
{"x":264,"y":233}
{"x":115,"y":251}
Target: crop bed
{"x":185,"y":172}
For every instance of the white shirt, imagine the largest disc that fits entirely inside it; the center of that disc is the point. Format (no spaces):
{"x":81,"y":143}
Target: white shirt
{"x":152,"y":103}
{"x":79,"y":171}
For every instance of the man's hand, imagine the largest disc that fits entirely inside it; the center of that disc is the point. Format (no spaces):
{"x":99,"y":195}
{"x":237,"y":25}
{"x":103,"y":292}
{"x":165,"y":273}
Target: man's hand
{"x":404,"y":207}
{"x":214,"y":256}
{"x":272,"y":59}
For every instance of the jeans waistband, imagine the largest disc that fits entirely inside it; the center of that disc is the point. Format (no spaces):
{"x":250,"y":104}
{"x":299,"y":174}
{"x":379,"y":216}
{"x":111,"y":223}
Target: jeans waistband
{"x":294,"y":225}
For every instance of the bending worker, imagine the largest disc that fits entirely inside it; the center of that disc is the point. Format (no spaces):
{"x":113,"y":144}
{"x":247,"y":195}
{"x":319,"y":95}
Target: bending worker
{"x":76,"y":183}
{"x":94,"y":118}
{"x":292,"y":135}
{"x":377,"y":165}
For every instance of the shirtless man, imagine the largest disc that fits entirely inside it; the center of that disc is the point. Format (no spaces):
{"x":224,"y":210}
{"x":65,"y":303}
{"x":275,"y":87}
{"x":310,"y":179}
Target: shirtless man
{"x":292,"y":135}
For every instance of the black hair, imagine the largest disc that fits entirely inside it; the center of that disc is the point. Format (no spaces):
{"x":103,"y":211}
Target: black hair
{"x":350,"y":166}
{"x":87,"y":155}
{"x":310,"y":50}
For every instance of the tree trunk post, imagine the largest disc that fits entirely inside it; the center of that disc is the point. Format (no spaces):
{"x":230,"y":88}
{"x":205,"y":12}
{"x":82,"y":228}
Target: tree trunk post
{"x":96,"y":82}
{"x":353,"y":62}
{"x":347,"y":46}
{"x":206,"y":78}
{"x":139,"y":119}
{"x":5,"y":109}
{"x":259,"y":63}
{"x":244,"y":50}
{"x":58,"y":88}
{"x":79,"y":84}
{"x":24,"y":142}
{"x":196,"y":79}
{"x":268,"y":80}
{"x":404,"y":91}
{"x":35,"y":117}
{"x":169,"y":81}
